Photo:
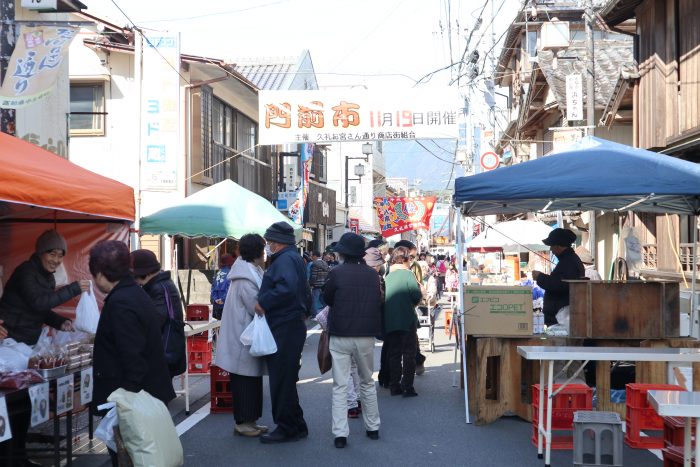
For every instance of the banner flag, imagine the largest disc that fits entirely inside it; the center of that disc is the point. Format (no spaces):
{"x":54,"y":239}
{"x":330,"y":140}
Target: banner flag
{"x":398,"y":215}
{"x":296,"y":210}
{"x":34,"y":64}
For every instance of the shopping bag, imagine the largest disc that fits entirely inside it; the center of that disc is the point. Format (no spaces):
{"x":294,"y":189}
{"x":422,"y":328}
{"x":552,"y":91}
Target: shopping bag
{"x":87,"y":315}
{"x":323,"y":354}
{"x":147,"y":429}
{"x":247,"y":334}
{"x":322,"y":317}
{"x":105,"y":430}
{"x":263,"y":340}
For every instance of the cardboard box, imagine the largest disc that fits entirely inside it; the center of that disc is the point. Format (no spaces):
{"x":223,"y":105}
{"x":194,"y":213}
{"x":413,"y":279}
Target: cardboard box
{"x":498,"y":311}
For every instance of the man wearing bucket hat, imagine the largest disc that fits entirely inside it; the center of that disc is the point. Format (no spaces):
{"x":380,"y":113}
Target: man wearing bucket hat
{"x":353,"y":292}
{"x":285,"y":300}
{"x":569,"y":267}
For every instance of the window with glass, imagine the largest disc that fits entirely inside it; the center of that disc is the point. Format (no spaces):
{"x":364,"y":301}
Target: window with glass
{"x":87,"y":109}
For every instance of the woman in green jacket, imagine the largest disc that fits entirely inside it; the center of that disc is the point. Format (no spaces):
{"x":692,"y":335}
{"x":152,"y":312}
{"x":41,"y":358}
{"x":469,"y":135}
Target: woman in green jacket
{"x":400,"y":323}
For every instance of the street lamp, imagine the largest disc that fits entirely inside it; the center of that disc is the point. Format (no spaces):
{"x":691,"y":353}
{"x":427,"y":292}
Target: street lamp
{"x":359,"y":170}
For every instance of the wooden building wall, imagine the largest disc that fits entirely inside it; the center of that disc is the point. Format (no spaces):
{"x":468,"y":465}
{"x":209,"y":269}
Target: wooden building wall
{"x":689,"y":48}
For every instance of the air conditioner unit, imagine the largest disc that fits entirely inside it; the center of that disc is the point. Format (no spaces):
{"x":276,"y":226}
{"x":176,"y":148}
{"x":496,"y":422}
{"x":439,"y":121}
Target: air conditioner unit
{"x":554,"y":35}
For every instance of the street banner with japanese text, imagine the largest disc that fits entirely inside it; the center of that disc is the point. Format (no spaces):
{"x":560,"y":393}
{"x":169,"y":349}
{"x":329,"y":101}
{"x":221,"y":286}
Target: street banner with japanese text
{"x":34,"y":64}
{"x":160,"y":129}
{"x":398,"y":215}
{"x":354,"y":115}
{"x":296,"y":210}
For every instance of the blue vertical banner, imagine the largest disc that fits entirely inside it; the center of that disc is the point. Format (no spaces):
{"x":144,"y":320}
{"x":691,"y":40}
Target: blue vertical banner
{"x":296,"y":210}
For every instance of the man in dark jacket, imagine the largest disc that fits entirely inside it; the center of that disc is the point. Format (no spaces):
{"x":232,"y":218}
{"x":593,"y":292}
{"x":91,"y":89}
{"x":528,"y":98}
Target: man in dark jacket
{"x":569,"y":267}
{"x":317,"y":279}
{"x":354,"y":294}
{"x":285,"y":300}
{"x":128,"y":349}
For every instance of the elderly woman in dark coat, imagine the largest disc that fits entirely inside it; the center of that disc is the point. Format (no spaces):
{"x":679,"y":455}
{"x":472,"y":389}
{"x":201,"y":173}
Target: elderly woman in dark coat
{"x":128,"y":349}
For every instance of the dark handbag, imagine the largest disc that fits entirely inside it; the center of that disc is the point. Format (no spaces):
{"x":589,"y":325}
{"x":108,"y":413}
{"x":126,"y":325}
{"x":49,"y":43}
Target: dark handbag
{"x":174,"y":340}
{"x":324,"y":353}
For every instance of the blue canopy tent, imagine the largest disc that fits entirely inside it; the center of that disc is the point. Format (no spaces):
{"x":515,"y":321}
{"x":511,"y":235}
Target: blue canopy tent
{"x":594,"y":174}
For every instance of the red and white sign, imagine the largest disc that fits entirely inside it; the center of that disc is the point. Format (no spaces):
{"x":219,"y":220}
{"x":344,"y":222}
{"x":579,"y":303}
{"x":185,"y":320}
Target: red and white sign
{"x":354,"y":225}
{"x":489,"y":160}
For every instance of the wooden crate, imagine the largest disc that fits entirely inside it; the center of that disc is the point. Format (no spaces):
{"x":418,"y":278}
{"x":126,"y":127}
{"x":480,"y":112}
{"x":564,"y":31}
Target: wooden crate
{"x":624,"y":310}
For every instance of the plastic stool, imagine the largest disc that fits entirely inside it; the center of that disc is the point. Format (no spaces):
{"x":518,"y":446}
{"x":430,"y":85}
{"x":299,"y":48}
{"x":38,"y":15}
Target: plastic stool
{"x":597,"y":439}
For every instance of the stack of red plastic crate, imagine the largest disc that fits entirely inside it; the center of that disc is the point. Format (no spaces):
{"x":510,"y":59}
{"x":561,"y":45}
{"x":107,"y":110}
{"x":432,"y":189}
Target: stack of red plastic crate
{"x":674,"y":440}
{"x":221,"y":398}
{"x":199,"y":348}
{"x":573,"y":398}
{"x":640,"y":416}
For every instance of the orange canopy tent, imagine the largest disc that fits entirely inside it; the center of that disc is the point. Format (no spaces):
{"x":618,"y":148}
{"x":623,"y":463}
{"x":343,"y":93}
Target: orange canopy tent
{"x":40,"y":190}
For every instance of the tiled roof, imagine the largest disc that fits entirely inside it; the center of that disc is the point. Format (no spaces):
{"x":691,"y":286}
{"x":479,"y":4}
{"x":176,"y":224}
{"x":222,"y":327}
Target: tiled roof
{"x":267,"y":75}
{"x":610,"y":57}
{"x":617,"y":11}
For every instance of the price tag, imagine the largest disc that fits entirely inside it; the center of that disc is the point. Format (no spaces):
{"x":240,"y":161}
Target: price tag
{"x":5,"y":432}
{"x":39,"y":396}
{"x":64,"y":394}
{"x":86,"y":386}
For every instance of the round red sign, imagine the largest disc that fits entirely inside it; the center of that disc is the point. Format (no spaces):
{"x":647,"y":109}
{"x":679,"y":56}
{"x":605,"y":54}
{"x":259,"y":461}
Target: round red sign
{"x":489,"y":160}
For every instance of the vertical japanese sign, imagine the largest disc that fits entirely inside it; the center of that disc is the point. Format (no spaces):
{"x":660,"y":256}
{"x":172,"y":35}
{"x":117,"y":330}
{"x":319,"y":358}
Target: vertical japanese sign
{"x":34,"y":65}
{"x":296,"y":210}
{"x":160,"y":111}
{"x":574,"y":97}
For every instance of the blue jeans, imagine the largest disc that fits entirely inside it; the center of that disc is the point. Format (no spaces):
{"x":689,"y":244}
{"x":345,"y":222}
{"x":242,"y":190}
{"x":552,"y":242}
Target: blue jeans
{"x":318,"y":303}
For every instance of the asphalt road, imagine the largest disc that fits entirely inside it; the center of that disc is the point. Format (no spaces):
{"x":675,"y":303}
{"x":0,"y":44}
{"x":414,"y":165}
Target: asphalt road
{"x":426,"y":430}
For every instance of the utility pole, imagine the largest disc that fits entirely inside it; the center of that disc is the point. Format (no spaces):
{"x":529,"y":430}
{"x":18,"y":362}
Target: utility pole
{"x":588,"y":18}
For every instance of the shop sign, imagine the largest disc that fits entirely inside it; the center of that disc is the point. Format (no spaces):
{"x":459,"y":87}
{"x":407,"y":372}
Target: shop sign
{"x":398,"y":215}
{"x":160,"y":111}
{"x":564,"y":139}
{"x":574,"y":97}
{"x":489,"y":161}
{"x":354,"y":225}
{"x":285,"y":199}
{"x":39,"y":397}
{"x":5,"y":429}
{"x":64,"y":394}
{"x":34,"y":64}
{"x":354,"y":115}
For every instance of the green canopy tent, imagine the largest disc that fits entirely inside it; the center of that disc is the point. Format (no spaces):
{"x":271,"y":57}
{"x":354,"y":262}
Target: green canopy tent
{"x":223,"y":210}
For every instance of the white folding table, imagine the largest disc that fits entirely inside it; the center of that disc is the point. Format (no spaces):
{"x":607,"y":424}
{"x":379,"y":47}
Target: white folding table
{"x":548,"y":355}
{"x":680,"y":404}
{"x":192,"y":328}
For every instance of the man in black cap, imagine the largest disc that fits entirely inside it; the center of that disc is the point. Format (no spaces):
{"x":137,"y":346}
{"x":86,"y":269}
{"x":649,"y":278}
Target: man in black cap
{"x":569,"y":267}
{"x":285,"y":300}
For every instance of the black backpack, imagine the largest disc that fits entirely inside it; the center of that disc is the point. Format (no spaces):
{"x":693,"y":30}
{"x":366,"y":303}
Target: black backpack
{"x":174,"y":341}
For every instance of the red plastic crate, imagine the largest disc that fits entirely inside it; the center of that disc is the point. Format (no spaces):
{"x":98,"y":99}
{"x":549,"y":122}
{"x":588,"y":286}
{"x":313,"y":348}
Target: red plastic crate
{"x":198,"y":362}
{"x":636,"y":393}
{"x":673,"y":457}
{"x":674,"y":431}
{"x":221,"y":404}
{"x":638,"y":420}
{"x":198,"y":343}
{"x":562,"y":419}
{"x":559,"y":442}
{"x":574,"y":396}
{"x":220,"y":382}
{"x":197,"y":312}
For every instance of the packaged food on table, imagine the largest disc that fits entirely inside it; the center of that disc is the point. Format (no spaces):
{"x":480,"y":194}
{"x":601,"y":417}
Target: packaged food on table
{"x":19,"y":379}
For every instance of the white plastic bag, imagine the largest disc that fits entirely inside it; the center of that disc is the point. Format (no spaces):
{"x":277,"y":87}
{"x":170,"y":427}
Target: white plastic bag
{"x":87,"y":314}
{"x":563,"y":318}
{"x":263,"y":341}
{"x":105,"y":430}
{"x":147,"y":429}
{"x":14,"y":356}
{"x":247,"y":334}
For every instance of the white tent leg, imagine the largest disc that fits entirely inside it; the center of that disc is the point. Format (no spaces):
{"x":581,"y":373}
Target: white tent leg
{"x":460,"y":311}
{"x":693,"y":313}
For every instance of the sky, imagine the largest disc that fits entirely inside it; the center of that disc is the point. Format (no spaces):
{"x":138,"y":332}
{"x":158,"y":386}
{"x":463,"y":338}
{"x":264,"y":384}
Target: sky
{"x":387,"y":44}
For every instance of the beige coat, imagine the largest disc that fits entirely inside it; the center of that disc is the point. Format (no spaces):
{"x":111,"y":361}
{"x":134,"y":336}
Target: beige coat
{"x":239,"y":310}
